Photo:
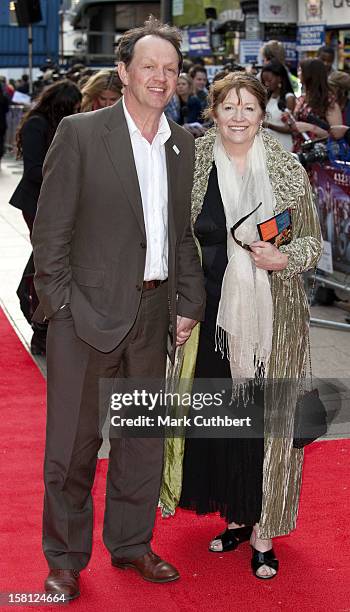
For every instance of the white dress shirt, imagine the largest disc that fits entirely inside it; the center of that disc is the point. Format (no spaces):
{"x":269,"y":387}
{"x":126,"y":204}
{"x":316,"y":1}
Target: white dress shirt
{"x":151,"y":170}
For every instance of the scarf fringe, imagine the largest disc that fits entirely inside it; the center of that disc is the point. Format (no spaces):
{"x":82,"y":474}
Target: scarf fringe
{"x":242,"y":388}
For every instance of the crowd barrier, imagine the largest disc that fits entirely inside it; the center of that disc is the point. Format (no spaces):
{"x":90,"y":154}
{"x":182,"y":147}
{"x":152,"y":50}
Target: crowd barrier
{"x":330,"y":181}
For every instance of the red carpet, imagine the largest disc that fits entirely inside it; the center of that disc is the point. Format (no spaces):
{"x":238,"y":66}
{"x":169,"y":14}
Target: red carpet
{"x":315,"y":559}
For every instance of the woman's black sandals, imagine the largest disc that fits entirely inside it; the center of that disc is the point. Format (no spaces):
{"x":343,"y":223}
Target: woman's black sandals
{"x":231,"y":538}
{"x":264,"y":558}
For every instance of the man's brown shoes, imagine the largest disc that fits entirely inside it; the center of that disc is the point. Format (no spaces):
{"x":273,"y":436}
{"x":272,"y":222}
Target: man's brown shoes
{"x":150,"y":567}
{"x":63,"y":582}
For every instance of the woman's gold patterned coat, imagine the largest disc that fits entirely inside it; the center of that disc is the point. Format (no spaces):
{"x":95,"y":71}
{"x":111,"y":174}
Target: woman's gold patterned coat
{"x":282,"y":463}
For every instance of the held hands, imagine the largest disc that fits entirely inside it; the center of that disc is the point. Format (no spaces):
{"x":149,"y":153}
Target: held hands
{"x":267,"y":257}
{"x":184,"y":328}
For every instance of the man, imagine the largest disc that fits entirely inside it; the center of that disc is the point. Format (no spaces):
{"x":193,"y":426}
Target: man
{"x":200,"y":79}
{"x":326,"y":55}
{"x":115,"y":259}
{"x":23,"y":85}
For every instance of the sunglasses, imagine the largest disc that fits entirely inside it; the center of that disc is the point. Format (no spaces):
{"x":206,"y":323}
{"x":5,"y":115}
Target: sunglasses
{"x":236,"y":226}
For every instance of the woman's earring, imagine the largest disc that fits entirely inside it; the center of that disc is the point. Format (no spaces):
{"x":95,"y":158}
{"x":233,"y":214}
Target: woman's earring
{"x":260,"y":127}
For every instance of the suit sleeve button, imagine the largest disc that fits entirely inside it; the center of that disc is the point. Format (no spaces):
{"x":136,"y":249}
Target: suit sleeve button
{"x":142,"y":245}
{"x":138,"y":287}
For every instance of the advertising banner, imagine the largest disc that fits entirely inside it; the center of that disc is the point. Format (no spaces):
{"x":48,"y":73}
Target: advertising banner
{"x":290,"y":47}
{"x":310,"y":37}
{"x":249,"y":52}
{"x":278,"y":11}
{"x":198,"y":42}
{"x":331,"y":12}
{"x":331,"y":186}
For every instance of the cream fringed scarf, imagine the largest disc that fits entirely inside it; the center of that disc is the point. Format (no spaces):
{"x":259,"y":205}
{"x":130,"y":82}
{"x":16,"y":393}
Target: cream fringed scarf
{"x":245,"y":314}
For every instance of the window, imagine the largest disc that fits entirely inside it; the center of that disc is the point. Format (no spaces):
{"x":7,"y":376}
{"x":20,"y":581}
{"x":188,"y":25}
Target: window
{"x":133,"y":14}
{"x":12,"y":13}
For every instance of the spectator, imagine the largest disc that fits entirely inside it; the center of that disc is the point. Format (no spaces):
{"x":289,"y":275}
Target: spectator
{"x":317,"y":109}
{"x":23,"y":85}
{"x":280,"y":99}
{"x":274,"y":50}
{"x":172,"y":110}
{"x":4,"y":106}
{"x":200,"y":80}
{"x":84,"y":77}
{"x":7,"y":89}
{"x":102,"y":89}
{"x":340,"y":83}
{"x":326,"y":56}
{"x":190,"y":106}
{"x":187,"y":64}
{"x":34,"y":137}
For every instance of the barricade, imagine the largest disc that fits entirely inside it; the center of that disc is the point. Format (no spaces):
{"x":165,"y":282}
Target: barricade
{"x":330,"y":180}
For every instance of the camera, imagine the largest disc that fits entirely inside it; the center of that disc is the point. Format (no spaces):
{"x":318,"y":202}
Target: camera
{"x":313,"y":151}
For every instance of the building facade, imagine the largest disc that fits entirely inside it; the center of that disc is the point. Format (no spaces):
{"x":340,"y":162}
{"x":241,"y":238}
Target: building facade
{"x":14,"y":39}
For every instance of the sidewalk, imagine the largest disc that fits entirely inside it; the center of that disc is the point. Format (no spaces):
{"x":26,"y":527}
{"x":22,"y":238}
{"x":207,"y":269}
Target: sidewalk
{"x":330,"y":348}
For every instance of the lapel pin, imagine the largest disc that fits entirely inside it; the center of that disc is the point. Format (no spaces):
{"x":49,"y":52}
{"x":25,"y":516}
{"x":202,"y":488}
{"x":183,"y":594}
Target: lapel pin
{"x":177,"y":151}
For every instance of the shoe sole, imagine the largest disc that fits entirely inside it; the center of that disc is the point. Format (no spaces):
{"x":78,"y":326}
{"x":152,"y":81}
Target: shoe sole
{"x":265,"y":577}
{"x":125,"y":566}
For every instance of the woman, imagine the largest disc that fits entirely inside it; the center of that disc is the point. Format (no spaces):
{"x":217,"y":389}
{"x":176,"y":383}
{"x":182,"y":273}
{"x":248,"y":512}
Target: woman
{"x":274,"y":50}
{"x":33,"y":138}
{"x":190,"y":106}
{"x":4,"y":107}
{"x":102,"y":89}
{"x":281,"y":102}
{"x":316,"y":110}
{"x":340,"y":83}
{"x":257,"y":313}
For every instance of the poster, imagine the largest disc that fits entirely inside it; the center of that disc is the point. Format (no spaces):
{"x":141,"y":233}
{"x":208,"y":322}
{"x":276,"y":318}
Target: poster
{"x":310,"y":37}
{"x":331,"y":12}
{"x":278,"y":11}
{"x":331,"y":186}
{"x":198,"y":42}
{"x":249,"y":52}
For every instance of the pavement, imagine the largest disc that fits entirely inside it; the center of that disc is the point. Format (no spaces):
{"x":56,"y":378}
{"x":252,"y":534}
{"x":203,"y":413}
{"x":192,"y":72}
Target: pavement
{"x":330,"y":348}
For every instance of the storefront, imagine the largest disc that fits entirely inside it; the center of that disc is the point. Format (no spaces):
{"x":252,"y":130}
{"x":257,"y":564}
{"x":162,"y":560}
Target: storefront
{"x":332,"y":18}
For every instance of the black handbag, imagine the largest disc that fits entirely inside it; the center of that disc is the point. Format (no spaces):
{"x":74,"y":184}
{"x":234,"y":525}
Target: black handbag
{"x":310,"y":420}
{"x":26,"y":291}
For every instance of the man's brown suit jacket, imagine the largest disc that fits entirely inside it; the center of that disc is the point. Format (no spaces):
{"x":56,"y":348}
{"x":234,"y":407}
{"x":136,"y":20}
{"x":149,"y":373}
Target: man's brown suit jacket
{"x":89,"y":236}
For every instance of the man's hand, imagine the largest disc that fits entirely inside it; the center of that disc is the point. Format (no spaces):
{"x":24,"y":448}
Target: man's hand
{"x":184,"y":328}
{"x":267,"y":257}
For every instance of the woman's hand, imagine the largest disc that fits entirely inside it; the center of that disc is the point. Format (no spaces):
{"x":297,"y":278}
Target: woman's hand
{"x":338,"y":131}
{"x":315,"y":130}
{"x":267,"y":257}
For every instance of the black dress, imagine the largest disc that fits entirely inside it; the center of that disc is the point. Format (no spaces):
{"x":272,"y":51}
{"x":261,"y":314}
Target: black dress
{"x":219,"y":474}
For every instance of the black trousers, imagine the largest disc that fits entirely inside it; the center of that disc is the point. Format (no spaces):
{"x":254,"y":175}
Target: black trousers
{"x":73,"y":438}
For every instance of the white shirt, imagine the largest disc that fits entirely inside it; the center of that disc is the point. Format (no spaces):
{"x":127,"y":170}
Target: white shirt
{"x":150,"y":162}
{"x":274,"y":114}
